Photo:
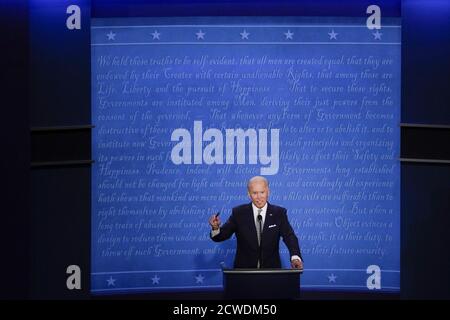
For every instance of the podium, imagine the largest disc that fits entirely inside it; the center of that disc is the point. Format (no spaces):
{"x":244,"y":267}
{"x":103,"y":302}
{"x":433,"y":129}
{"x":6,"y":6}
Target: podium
{"x":261,"y":283}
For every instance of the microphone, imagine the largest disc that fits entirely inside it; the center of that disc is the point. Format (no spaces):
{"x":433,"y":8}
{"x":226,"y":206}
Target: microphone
{"x":260,"y":240}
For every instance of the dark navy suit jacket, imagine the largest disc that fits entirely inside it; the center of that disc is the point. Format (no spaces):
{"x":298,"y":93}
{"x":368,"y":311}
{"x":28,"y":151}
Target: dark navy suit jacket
{"x":276,"y":226}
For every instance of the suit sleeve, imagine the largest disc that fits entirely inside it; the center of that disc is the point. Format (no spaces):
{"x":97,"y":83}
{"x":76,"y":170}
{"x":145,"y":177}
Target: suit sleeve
{"x":227,"y":230}
{"x":289,"y":237}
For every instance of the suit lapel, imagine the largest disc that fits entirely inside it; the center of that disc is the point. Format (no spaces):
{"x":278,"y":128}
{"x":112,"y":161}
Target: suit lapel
{"x":251,"y":223}
{"x":269,"y":219}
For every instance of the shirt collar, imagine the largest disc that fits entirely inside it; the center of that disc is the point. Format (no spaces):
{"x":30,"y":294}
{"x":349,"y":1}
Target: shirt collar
{"x":255,"y":210}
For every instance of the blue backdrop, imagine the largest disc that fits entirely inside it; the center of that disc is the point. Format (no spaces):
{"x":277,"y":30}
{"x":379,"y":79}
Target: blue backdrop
{"x":186,"y":110}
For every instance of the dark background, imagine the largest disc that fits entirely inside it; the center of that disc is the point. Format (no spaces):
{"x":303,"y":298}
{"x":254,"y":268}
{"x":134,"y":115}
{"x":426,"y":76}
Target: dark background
{"x":46,"y":139}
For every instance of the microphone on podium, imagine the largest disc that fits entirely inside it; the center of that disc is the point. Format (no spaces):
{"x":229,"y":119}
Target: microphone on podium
{"x":259,"y":231}
{"x":259,"y":226}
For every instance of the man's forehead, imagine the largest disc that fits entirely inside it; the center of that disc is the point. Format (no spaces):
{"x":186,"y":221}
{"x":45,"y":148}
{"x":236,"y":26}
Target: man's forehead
{"x":258,"y":184}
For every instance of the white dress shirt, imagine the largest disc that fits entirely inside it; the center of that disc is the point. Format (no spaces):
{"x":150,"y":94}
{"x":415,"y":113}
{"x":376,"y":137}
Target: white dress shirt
{"x":255,"y":215}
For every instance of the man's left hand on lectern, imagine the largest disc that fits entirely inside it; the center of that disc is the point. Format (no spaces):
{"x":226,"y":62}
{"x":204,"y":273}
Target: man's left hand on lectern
{"x":297,"y":264}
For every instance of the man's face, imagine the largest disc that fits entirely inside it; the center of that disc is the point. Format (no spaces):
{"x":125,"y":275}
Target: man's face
{"x":259,"y":193}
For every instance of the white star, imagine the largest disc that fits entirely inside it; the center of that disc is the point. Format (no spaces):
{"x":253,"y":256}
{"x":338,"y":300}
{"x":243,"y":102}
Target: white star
{"x":200,"y":35}
{"x":155,"y":279}
{"x":111,"y":35}
{"x":244,"y":35}
{"x":377,"y":35}
{"x":333,"y":35}
{"x":156,"y":34}
{"x":111,"y":281}
{"x":199,"y":278}
{"x":332,"y":278}
{"x":289,"y":34}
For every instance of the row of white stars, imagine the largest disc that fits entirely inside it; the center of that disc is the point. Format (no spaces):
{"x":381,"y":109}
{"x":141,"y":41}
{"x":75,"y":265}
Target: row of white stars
{"x":199,"y":279}
{"x":244,"y":35}
{"x":155,"y":280}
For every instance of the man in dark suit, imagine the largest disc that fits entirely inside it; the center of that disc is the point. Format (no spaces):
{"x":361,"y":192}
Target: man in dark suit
{"x":258,"y":226}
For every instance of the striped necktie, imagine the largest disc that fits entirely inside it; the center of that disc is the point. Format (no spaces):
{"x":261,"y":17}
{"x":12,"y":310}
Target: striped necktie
{"x":259,"y":226}
{"x":259,"y":232}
